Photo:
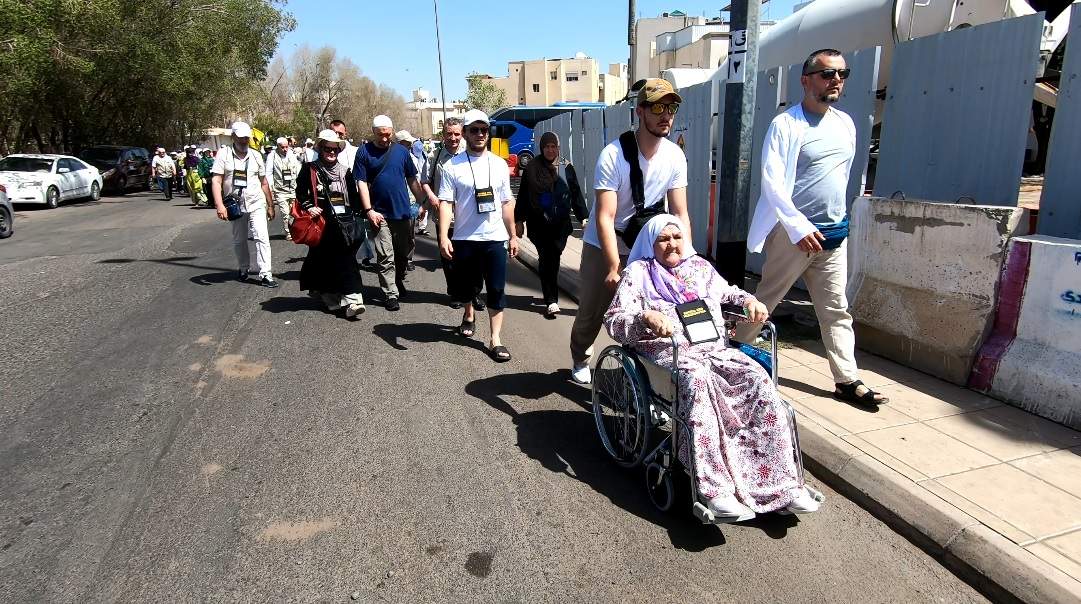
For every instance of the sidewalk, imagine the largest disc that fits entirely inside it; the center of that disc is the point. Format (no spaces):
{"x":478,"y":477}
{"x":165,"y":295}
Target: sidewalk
{"x":992,"y":491}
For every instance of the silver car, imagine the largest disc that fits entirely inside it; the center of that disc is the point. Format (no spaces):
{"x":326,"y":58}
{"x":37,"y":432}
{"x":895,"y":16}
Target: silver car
{"x":48,"y":179}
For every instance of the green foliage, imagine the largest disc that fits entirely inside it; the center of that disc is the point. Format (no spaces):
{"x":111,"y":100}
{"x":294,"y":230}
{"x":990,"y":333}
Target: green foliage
{"x":484,"y":95}
{"x":81,"y":72}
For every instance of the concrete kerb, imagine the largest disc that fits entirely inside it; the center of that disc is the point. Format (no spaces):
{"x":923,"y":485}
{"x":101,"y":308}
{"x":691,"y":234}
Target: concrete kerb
{"x":992,"y":563}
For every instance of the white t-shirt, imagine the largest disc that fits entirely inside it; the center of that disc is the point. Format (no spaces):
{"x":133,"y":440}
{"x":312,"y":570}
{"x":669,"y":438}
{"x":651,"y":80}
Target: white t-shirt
{"x":667,"y":170}
{"x":348,"y":155}
{"x":456,"y":186}
{"x":225,"y":163}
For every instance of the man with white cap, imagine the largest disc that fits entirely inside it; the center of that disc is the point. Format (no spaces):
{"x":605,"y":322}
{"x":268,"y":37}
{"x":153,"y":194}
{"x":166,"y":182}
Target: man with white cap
{"x":475,"y":190}
{"x":383,"y":170}
{"x":239,"y":173}
{"x":307,"y":153}
{"x":405,"y":139}
{"x":283,"y":172}
{"x":164,"y":169}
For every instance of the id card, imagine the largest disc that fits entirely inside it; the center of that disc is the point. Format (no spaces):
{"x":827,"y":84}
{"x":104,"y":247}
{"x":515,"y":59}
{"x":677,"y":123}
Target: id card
{"x":697,"y":322}
{"x":240,"y":179}
{"x":485,"y":200}
{"x":337,"y":202}
{"x":287,"y":177}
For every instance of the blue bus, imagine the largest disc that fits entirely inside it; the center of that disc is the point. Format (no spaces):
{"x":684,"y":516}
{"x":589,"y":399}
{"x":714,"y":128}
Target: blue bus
{"x":515,"y":125}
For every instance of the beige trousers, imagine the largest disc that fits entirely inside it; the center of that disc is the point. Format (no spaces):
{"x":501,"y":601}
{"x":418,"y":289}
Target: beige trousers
{"x":825,"y":274}
{"x":593,"y":301}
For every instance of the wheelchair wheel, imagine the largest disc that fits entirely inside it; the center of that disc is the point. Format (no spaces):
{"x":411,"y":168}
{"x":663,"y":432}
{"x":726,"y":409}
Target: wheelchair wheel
{"x":620,"y":407}
{"x":659,"y":486}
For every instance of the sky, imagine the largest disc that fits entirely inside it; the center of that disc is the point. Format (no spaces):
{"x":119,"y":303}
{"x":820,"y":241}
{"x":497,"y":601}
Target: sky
{"x":393,"y":42}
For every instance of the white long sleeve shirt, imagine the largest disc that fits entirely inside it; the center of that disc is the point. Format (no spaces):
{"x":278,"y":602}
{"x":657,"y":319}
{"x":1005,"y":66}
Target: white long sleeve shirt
{"x":780,"y":154}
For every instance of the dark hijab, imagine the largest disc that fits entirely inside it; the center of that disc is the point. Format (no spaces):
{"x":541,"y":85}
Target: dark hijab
{"x":541,"y":173}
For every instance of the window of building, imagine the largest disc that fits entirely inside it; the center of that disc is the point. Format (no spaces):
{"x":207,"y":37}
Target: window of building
{"x":553,"y":75}
{"x":585,"y":73}
{"x":572,"y":77}
{"x":536,"y":87}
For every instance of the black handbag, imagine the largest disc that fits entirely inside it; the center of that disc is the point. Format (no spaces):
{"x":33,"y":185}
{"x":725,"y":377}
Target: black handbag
{"x":642,"y":212}
{"x":232,"y":206}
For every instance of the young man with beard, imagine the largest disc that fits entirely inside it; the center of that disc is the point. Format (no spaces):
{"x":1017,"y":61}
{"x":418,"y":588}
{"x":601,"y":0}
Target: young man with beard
{"x":801,"y":220}
{"x":604,"y":251}
{"x":239,"y":170}
{"x":474,"y":190}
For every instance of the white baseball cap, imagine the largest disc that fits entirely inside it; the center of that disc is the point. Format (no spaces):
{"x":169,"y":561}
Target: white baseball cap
{"x":382,"y":121}
{"x":309,"y":141}
{"x":404,"y":136}
{"x":241,"y":129}
{"x":475,"y":115}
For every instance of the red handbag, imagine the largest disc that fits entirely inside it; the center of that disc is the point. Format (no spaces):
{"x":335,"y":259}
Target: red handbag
{"x":306,"y":229}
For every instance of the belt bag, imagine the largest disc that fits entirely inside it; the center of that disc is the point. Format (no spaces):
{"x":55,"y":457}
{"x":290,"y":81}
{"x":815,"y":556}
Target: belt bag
{"x":232,"y":206}
{"x":642,"y":212}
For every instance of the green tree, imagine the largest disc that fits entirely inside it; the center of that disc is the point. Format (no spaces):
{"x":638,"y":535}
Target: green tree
{"x":129,"y":71}
{"x":484,"y":95}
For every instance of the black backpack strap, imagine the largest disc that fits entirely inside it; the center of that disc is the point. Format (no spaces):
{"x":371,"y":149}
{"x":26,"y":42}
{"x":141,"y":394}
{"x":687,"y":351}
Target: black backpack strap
{"x":629,"y":144}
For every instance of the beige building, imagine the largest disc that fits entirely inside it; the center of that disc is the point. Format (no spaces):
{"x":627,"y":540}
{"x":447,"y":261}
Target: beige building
{"x":424,"y":115}
{"x":546,"y":81}
{"x":680,"y":41}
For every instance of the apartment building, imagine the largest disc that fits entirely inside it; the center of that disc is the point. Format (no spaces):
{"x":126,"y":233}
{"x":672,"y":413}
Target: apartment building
{"x":546,"y":81}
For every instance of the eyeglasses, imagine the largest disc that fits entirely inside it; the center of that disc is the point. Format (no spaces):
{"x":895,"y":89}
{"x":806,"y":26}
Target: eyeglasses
{"x":474,"y":130}
{"x":827,"y":74}
{"x":659,"y":108}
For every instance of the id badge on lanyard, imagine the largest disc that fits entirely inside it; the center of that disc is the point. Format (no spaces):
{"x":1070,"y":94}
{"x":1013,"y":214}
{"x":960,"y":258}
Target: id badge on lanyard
{"x":240,"y":178}
{"x":287,"y":176}
{"x":485,"y":200}
{"x":697,"y":322}
{"x":337,"y":202}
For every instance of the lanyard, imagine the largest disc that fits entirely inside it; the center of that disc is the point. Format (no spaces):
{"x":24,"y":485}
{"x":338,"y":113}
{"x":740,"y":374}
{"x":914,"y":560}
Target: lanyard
{"x":470,"y":162}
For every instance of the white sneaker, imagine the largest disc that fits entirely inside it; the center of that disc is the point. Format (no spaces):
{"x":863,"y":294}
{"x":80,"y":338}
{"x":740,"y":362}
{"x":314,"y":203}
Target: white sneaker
{"x":580,"y":373}
{"x":804,"y":503}
{"x":552,"y":310}
{"x":729,"y":509}
{"x":353,"y":310}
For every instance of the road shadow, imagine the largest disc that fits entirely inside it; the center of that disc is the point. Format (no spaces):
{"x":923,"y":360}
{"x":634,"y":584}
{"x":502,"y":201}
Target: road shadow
{"x":215,"y":278}
{"x":283,"y":304}
{"x":566,"y":442}
{"x":423,"y":333}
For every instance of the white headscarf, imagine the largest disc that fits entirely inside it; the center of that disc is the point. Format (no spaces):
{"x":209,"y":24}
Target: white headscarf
{"x":643,"y":244}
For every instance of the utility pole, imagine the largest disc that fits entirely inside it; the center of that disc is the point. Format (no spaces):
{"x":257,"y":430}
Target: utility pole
{"x":632,"y":10}
{"x":734,"y":171}
{"x":439,"y":53}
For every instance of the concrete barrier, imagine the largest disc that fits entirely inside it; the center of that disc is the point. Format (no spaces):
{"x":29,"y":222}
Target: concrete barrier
{"x":1032,"y":358}
{"x":922,"y":279}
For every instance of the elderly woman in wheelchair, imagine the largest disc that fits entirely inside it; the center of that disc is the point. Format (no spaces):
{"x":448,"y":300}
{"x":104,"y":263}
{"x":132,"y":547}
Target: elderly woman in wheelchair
{"x":738,"y":440}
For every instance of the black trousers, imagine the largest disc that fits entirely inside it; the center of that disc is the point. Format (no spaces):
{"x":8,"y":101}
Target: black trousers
{"x":549,"y":252}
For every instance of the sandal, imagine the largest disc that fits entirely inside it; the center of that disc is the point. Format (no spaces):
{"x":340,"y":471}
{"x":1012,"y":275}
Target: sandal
{"x":847,"y":393}
{"x":500,"y":354}
{"x":467,"y":329}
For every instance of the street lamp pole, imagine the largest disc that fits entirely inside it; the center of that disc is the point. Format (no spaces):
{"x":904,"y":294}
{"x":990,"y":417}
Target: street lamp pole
{"x":734,"y":173}
{"x":439,"y":52}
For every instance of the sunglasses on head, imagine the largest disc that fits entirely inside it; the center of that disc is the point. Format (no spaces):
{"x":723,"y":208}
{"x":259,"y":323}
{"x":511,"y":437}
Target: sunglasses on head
{"x":477,"y":130}
{"x":827,"y":74}
{"x":659,"y":108}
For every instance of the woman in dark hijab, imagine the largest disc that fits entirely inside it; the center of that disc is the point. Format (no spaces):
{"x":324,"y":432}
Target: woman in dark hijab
{"x":548,"y":194}
{"x":326,"y":186}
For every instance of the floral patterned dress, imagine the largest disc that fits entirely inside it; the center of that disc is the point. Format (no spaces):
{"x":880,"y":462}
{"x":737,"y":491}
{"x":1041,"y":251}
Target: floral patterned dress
{"x":739,"y":432}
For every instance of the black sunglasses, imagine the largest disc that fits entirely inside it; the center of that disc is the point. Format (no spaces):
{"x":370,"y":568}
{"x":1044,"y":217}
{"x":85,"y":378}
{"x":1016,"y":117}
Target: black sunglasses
{"x":827,"y":74}
{"x":476,"y":130}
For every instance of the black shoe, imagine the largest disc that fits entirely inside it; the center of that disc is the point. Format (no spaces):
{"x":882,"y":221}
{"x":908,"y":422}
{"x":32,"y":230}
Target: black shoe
{"x":392,"y":304}
{"x":367,"y":262}
{"x":410,"y":266}
{"x":478,"y":304}
{"x":455,"y":304}
{"x":268,"y":282}
{"x":242,"y":276}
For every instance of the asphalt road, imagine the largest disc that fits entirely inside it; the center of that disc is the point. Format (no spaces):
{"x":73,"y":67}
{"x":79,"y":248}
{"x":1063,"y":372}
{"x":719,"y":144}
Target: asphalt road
{"x":169,"y":434}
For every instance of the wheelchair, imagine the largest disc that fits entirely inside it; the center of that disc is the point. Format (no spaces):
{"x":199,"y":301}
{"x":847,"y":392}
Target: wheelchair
{"x":634,"y":404}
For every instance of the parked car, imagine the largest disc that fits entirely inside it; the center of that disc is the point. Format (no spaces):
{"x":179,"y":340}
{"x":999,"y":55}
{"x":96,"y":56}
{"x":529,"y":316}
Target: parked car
{"x":48,"y":179}
{"x":122,"y":168}
{"x":7,"y":215}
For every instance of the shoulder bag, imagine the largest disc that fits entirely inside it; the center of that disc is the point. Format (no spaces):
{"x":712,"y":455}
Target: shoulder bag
{"x":306,"y":229}
{"x":642,"y":212}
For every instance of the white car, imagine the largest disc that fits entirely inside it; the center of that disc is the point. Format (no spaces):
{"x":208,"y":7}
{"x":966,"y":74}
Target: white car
{"x":48,"y":179}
